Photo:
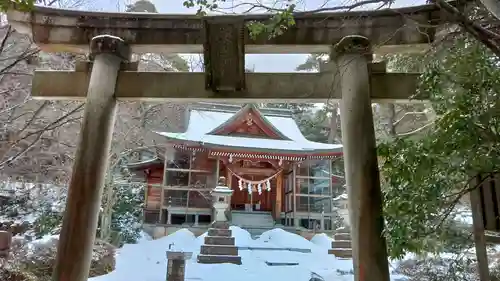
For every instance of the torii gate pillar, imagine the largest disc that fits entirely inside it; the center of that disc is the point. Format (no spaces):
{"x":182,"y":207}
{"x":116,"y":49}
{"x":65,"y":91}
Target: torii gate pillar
{"x":77,"y":237}
{"x":352,"y":55}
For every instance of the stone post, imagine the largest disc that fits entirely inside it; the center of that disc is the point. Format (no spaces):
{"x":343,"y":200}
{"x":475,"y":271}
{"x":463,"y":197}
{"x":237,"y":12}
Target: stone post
{"x":352,"y":55}
{"x":196,"y":219}
{"x":84,"y":196}
{"x":5,"y":243}
{"x":169,"y":217}
{"x":176,"y":265}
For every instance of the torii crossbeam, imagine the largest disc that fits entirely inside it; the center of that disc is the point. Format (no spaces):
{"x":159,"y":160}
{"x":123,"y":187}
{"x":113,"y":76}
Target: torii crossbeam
{"x":109,"y":76}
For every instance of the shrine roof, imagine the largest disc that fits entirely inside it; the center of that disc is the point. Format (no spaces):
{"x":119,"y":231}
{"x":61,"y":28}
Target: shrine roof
{"x":204,"y":120}
{"x":143,"y":164}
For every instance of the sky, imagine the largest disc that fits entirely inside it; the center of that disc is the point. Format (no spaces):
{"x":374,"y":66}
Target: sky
{"x":257,"y":62}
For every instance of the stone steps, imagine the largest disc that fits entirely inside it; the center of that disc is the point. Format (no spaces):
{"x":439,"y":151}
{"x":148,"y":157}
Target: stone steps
{"x":342,"y":244}
{"x":341,"y":253}
{"x":213,"y":259}
{"x":219,"y":240}
{"x":219,"y":232}
{"x":342,"y":236}
{"x":252,"y":219}
{"x":226,"y":250}
{"x":219,"y":246}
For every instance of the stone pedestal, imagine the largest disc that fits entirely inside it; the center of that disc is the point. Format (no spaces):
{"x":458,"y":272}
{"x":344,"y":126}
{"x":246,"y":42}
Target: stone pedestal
{"x":176,"y":265}
{"x":219,"y":246}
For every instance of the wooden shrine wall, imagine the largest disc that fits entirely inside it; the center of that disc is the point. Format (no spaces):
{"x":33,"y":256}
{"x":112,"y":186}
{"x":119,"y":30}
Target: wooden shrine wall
{"x":488,"y":200}
{"x":179,"y":197}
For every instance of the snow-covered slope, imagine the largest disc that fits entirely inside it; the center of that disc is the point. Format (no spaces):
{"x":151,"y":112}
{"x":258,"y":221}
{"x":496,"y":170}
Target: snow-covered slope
{"x":146,"y":261}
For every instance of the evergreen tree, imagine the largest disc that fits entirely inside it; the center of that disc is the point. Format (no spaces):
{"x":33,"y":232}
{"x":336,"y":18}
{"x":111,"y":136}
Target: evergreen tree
{"x":127,"y":213}
{"x":169,"y":62}
{"x":141,"y":6}
{"x":426,"y":176}
{"x":327,"y":119}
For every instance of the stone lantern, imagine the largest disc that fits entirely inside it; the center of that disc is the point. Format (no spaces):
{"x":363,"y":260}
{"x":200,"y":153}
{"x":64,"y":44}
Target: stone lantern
{"x":341,"y":202}
{"x":221,"y":195}
{"x":219,"y":246}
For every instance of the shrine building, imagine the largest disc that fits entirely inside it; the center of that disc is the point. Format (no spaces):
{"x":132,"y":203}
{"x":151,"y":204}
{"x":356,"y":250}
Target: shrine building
{"x":278,"y":177}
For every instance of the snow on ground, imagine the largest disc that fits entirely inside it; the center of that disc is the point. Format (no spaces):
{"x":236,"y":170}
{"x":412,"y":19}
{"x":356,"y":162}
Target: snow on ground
{"x":144,"y":237}
{"x":146,"y":261}
{"x":323,"y":241}
{"x":463,"y":214}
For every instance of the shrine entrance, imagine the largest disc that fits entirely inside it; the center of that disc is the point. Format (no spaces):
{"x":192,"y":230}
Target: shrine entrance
{"x":254,"y":185}
{"x":242,"y":200}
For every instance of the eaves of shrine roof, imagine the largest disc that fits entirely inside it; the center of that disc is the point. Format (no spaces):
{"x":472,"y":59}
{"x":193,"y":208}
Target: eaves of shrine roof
{"x":144,"y":164}
{"x":202,"y":121}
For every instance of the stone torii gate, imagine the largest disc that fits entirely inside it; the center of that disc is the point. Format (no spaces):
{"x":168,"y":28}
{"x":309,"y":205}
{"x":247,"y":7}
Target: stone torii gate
{"x":110,"y":38}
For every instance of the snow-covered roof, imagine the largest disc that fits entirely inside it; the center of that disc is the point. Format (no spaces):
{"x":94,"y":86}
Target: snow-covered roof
{"x":342,"y":196}
{"x":202,"y":121}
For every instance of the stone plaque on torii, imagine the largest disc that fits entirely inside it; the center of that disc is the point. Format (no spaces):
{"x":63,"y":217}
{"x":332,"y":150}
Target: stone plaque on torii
{"x":109,"y":75}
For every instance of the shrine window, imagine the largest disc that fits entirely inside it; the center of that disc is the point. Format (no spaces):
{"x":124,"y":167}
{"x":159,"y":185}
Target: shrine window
{"x":319,"y":186}
{"x":289,"y":202}
{"x":313,"y":177}
{"x":314,"y":168}
{"x":175,"y":198}
{"x":338,"y":177}
{"x":320,"y":204}
{"x":313,"y":186}
{"x":302,"y":186}
{"x":302,"y":203}
{"x":190,"y":170}
{"x":289,"y":183}
{"x":186,"y":198}
{"x":309,"y":204}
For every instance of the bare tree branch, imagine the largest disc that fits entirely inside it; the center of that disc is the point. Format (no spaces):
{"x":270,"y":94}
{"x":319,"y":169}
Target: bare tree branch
{"x":489,"y":38}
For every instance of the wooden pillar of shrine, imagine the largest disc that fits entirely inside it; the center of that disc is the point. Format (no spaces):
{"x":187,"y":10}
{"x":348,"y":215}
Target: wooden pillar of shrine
{"x":78,"y":232}
{"x":352,"y":55}
{"x":229,"y":183}
{"x":277,"y":202}
{"x":163,"y":186}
